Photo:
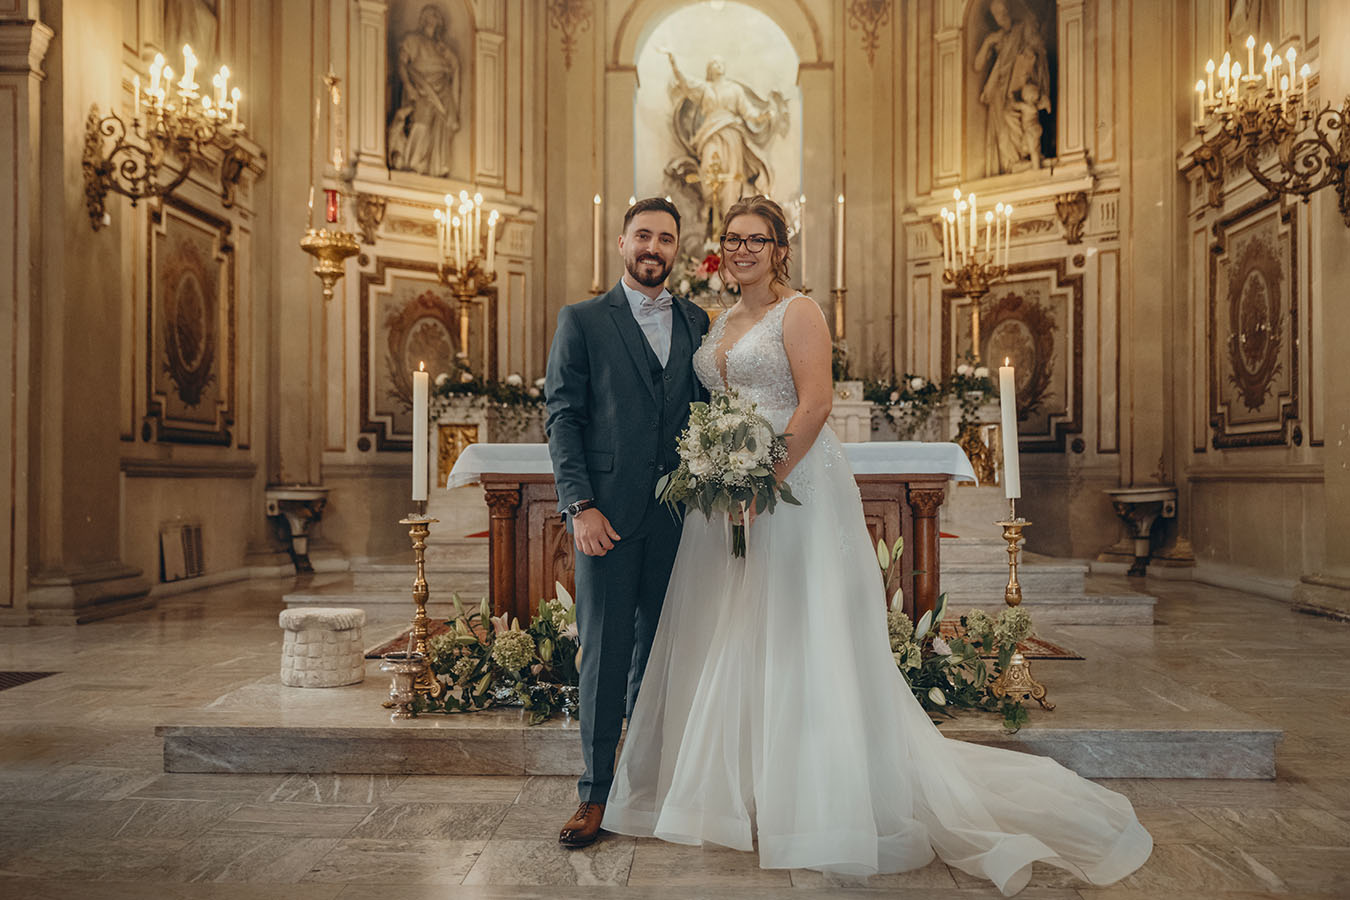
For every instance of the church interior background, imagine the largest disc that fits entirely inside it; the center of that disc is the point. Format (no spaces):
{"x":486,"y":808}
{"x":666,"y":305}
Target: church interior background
{"x":195,"y":431}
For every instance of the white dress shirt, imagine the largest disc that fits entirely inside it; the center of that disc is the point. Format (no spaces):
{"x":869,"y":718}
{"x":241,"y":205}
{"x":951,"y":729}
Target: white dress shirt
{"x":655,"y":323}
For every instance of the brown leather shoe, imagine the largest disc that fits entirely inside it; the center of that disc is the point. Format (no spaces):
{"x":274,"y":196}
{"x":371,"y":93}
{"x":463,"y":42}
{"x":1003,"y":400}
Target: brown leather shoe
{"x":584,"y":827}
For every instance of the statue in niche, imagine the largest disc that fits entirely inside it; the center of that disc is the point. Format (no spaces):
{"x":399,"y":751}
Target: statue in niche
{"x":426,"y":98}
{"x":723,"y":127}
{"x":1016,"y":90}
{"x":1254,"y":17}
{"x":192,"y":22}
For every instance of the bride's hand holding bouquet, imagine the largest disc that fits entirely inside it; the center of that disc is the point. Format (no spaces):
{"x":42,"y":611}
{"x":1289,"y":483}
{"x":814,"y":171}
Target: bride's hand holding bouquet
{"x":728,"y":456}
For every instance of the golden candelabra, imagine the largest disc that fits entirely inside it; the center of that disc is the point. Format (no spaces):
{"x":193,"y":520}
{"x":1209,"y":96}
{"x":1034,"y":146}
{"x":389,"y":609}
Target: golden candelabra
{"x":1243,"y":114}
{"x":970,"y":265}
{"x":466,"y":260}
{"x":1015,"y":680}
{"x":419,"y":528}
{"x":178,"y":120}
{"x":837,"y":296}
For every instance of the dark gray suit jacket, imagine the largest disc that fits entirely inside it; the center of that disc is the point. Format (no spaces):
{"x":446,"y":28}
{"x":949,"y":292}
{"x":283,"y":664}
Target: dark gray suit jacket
{"x":603,"y":420}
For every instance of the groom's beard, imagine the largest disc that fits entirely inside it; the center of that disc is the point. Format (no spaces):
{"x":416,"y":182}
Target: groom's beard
{"x":648,"y":269}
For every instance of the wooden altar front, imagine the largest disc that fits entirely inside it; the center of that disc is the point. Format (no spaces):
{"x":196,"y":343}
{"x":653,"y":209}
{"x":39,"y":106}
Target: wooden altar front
{"x":530,"y":549}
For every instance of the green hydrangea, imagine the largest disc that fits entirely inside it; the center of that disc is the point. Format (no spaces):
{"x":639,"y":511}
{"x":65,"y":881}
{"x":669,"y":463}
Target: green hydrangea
{"x":1013,"y":626}
{"x":979,"y":625}
{"x":900,"y":627}
{"x":464,"y":667}
{"x":513,"y":650}
{"x":442,"y":648}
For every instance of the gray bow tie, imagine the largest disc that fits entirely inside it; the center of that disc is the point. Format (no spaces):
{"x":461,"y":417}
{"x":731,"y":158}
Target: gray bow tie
{"x":658,"y":304}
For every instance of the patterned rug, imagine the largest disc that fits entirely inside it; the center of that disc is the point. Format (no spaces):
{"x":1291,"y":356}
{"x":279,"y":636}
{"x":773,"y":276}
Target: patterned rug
{"x":1032,"y":647}
{"x":14,"y":679}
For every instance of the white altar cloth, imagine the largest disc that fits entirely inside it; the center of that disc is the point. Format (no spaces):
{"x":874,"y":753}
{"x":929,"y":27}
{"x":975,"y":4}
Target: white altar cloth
{"x":874,"y":458}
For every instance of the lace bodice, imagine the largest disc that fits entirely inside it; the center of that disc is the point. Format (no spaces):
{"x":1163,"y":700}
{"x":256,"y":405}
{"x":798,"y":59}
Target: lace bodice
{"x":757,"y":364}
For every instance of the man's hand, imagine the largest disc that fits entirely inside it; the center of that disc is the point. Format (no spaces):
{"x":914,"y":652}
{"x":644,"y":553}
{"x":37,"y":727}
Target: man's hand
{"x":592,"y":533}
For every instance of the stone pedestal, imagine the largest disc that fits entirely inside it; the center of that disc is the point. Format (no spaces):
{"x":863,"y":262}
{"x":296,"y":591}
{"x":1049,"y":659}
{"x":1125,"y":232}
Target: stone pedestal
{"x":323,"y":647}
{"x":851,"y":415}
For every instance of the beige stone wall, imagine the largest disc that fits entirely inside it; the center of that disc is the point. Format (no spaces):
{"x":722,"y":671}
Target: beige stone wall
{"x":890,"y":117}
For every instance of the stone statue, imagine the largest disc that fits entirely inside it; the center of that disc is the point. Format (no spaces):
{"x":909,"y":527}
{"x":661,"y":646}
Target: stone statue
{"x":426,"y":98}
{"x":1254,"y":17}
{"x":1016,"y":89}
{"x":192,"y":22}
{"x":723,"y":127}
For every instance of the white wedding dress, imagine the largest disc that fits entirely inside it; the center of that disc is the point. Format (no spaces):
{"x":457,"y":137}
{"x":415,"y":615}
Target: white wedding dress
{"x":771,"y":708}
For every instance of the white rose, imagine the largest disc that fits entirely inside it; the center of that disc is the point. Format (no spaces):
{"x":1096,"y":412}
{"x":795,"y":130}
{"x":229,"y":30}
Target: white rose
{"x":895,"y":396}
{"x":743,"y":461}
{"x":466,"y":377}
{"x":699,"y":466}
{"x":514,"y":380}
{"x":981,"y":372}
{"x":941,"y":647}
{"x":533,"y":392}
{"x":963,"y":369}
{"x":539,"y":383}
{"x":917,"y":383}
{"x":714,"y":282}
{"x":685,"y":287}
{"x":442,"y":378}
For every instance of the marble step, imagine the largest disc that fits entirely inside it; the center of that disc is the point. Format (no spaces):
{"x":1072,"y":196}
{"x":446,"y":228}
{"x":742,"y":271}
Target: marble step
{"x":1080,"y":609}
{"x":1114,"y":719}
{"x":393,"y":603}
{"x":1038,"y":575}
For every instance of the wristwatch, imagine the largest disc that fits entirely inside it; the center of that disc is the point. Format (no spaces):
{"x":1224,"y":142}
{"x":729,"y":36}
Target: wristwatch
{"x":573,"y":508}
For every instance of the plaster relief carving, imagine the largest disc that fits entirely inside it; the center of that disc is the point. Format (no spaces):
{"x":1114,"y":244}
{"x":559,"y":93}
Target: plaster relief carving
{"x":869,"y":16}
{"x":428,"y":86}
{"x":370,"y":209}
{"x":1014,"y":61}
{"x":723,"y":128}
{"x":1072,"y":211}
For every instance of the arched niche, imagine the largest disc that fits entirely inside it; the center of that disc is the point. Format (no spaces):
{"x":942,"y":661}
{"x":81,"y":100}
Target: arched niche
{"x":791,"y":16}
{"x":978,"y":23}
{"x":460,"y":35}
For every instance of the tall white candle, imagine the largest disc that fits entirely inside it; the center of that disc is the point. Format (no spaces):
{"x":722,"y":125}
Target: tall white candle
{"x":961,"y":229}
{"x":1007,"y":401}
{"x":988,"y":238}
{"x":492,"y":242}
{"x":943,"y":216}
{"x":974,"y":226}
{"x":1251,"y":54}
{"x":421,"y":386}
{"x":801,"y":235}
{"x":136,"y":92}
{"x":595,"y":243}
{"x":477,"y":221}
{"x":839,"y":244}
{"x":234,"y":107}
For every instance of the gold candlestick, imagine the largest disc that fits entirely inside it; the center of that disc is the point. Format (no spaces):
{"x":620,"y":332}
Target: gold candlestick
{"x":1015,"y":681}
{"x":837,"y":295}
{"x":420,"y":526}
{"x":1012,"y":533}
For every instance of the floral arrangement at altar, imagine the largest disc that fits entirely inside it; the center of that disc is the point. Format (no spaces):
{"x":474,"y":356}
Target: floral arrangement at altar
{"x":949,"y":673}
{"x":486,"y":661}
{"x":699,"y":279}
{"x":516,"y":404}
{"x":910,"y":401}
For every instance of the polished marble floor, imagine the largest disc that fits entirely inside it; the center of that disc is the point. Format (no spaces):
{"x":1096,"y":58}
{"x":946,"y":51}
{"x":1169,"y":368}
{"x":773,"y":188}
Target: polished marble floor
{"x":87,"y":812}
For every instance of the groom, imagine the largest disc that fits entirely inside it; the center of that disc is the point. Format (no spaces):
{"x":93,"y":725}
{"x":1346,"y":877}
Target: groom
{"x":620,"y":381}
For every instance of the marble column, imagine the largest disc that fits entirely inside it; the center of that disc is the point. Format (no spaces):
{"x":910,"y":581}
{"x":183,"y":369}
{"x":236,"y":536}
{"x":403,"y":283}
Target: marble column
{"x":1329,"y":586}
{"x":1149,"y":230}
{"x":23,"y":44}
{"x":370,"y":62}
{"x":297,"y":401}
{"x":71,"y":521}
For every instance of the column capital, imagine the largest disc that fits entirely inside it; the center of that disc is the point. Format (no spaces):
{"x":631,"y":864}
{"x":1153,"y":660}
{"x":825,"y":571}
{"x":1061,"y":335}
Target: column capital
{"x":23,"y":45}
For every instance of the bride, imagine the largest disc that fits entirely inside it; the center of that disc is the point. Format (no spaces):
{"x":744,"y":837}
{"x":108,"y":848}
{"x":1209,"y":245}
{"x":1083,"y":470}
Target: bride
{"x":772,"y":709}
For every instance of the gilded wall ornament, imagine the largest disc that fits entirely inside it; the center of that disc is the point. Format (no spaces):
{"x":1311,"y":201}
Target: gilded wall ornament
{"x":1072,"y":211}
{"x":869,"y":16}
{"x":571,"y":17}
{"x":370,"y":210}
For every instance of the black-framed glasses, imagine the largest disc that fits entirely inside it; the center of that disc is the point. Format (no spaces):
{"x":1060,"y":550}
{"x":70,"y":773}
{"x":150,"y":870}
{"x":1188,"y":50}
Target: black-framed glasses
{"x":755,"y":242}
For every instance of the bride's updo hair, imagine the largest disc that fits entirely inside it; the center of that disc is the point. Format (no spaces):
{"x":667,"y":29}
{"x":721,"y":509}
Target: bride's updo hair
{"x":772,"y":213}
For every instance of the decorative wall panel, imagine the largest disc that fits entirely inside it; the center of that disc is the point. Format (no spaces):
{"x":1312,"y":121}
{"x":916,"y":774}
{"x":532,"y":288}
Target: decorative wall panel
{"x":1253,"y":321}
{"x":1035,"y":319}
{"x":190,"y":328}
{"x":407,"y":318}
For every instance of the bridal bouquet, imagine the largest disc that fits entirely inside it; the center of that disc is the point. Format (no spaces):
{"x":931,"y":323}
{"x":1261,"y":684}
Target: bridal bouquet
{"x":727,"y":455}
